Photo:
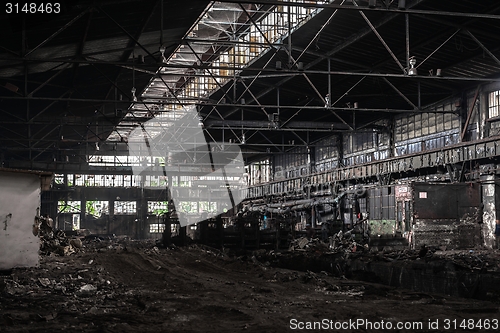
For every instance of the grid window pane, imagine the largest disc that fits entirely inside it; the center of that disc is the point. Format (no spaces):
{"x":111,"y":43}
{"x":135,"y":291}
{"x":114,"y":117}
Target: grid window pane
{"x":493,"y":105}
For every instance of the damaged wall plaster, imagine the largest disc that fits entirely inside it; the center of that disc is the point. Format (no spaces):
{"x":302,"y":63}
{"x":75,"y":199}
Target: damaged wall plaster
{"x":447,"y":215}
{"x":19,"y":200}
{"x":489,"y":209}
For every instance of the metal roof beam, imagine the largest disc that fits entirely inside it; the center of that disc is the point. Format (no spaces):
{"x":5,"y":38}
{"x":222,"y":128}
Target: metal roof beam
{"x":263,"y":124}
{"x":482,"y":46}
{"x":380,"y":38}
{"x":408,"y":9}
{"x":64,"y":27}
{"x":354,"y":38}
{"x":401,"y":94}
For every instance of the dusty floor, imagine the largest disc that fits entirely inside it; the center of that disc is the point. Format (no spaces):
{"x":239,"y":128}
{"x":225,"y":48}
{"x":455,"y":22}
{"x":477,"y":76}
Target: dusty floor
{"x":137,"y":287}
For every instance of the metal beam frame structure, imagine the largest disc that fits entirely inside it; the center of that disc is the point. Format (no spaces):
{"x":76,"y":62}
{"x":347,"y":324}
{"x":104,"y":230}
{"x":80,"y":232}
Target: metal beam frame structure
{"x":244,"y":74}
{"x":395,"y":167}
{"x":36,"y":144}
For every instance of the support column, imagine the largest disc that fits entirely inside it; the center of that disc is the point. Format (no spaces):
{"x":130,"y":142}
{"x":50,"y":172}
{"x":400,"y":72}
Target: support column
{"x":111,"y":217}
{"x":491,"y":200}
{"x":83,"y":212}
{"x":483,"y":116}
{"x":143,"y":225}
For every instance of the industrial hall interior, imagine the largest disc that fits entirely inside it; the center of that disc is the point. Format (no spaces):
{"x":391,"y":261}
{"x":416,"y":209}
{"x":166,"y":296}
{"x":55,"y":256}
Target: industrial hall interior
{"x":267,"y":166}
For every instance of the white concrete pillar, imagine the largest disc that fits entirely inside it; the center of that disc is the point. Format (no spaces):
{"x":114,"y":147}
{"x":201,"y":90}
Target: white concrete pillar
{"x":489,"y":210}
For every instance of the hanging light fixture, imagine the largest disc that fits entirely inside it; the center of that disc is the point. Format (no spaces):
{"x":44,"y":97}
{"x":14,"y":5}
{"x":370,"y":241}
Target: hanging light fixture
{"x":134,"y":98}
{"x":162,"y":52}
{"x":412,"y":70}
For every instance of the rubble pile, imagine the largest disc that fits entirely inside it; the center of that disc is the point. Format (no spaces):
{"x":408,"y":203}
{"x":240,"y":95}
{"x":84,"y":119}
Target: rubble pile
{"x":86,"y":282}
{"x":83,"y":282}
{"x":339,"y":242}
{"x":62,"y":288}
{"x":59,"y":243}
{"x":120,"y":285}
{"x":344,"y":241}
{"x":311,"y":245}
{"x":473,"y":260}
{"x":98,"y":243}
{"x":54,"y":241}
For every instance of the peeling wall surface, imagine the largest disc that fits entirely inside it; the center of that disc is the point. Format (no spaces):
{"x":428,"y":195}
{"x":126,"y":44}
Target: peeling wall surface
{"x":489,"y":209}
{"x":19,"y":200}
{"x":447,"y":215}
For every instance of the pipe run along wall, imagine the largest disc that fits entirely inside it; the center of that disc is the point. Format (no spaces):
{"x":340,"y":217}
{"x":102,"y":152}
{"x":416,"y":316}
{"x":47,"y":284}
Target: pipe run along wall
{"x":19,"y":200}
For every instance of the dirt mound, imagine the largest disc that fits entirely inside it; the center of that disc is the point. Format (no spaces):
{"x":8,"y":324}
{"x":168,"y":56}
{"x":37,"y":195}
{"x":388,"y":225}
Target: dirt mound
{"x":131,"y":286}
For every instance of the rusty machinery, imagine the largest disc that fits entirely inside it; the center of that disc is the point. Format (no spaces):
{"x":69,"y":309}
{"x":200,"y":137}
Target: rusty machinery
{"x":273,"y":225}
{"x":286,"y":219}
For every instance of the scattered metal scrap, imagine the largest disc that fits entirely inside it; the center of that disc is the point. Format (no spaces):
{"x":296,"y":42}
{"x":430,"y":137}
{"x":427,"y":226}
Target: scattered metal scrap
{"x":52,"y":241}
{"x":339,"y":242}
{"x":60,"y":244}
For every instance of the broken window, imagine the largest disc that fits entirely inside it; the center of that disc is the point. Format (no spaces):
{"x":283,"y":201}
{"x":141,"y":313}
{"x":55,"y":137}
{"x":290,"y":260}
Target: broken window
{"x":494,"y":104}
{"x":69,"y":207}
{"x":188,"y":207}
{"x":71,"y":180}
{"x":175,"y":181}
{"x":185,"y":181}
{"x":59,"y":179}
{"x":157,"y":207}
{"x":206,"y":206}
{"x":156,"y":228}
{"x":97,"y":208}
{"x":125,"y":207}
{"x":79,"y":181}
{"x":152,"y":181}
